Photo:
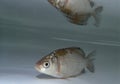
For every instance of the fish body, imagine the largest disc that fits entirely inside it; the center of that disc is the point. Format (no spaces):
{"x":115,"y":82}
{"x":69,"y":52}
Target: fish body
{"x":65,"y":63}
{"x":78,"y":11}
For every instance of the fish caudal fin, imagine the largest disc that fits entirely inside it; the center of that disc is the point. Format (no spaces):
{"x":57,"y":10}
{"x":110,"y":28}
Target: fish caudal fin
{"x":96,"y":15}
{"x":89,"y":63}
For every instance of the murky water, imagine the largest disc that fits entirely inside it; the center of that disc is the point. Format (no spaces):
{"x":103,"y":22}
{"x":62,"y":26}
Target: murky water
{"x":30,"y":29}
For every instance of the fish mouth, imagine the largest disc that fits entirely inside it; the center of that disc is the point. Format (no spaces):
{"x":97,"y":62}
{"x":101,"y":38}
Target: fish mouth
{"x":37,"y":68}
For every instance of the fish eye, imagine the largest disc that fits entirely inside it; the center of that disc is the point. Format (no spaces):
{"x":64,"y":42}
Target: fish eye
{"x":46,"y":64}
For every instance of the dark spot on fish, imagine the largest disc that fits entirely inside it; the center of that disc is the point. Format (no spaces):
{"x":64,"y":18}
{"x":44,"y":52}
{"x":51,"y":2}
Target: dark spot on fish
{"x":77,"y":50}
{"x":60,"y":52}
{"x":80,"y":19}
{"x":66,"y":11}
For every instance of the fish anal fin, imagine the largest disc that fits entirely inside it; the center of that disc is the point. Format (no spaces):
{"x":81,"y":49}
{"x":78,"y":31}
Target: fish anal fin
{"x":96,"y":15}
{"x":83,"y":71}
{"x":89,"y":59}
{"x":90,"y":67}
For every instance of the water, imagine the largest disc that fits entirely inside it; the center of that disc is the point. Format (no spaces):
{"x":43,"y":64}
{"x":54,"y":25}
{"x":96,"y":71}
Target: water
{"x":30,"y":29}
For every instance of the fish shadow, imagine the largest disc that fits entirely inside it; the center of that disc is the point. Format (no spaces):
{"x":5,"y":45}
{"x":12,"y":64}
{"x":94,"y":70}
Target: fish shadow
{"x":43,"y":76}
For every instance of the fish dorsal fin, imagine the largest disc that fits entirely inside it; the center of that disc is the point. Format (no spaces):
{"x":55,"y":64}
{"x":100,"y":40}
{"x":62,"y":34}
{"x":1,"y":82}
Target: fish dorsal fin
{"x":81,"y":52}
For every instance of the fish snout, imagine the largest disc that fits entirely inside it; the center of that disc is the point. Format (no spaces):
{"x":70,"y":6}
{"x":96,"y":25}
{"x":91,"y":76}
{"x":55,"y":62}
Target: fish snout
{"x":37,"y":67}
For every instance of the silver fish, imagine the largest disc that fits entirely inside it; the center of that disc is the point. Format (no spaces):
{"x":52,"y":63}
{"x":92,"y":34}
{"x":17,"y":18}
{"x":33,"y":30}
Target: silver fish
{"x":78,"y":11}
{"x":65,"y":63}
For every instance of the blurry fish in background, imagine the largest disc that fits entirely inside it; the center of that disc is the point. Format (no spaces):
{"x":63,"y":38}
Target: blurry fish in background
{"x":78,"y":11}
{"x":66,"y":62}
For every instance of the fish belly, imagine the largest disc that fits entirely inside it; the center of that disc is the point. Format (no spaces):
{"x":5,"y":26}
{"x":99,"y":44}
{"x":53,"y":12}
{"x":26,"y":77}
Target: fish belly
{"x":71,"y":65}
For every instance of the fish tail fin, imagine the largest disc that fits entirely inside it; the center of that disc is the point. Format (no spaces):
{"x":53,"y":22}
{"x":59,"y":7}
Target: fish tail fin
{"x":96,"y":15}
{"x":89,"y":63}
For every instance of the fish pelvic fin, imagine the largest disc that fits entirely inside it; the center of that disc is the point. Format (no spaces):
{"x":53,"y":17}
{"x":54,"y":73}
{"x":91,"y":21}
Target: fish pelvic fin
{"x":96,"y":15}
{"x":89,"y":61}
